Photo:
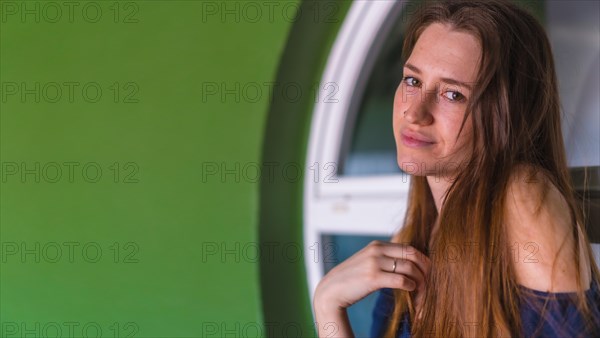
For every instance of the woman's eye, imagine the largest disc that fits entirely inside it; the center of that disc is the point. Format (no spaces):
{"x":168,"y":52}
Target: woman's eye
{"x":454,"y":96}
{"x":410,"y":81}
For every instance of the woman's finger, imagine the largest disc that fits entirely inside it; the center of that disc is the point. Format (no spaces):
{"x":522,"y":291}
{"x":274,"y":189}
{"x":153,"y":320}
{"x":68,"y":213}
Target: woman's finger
{"x":404,"y":267}
{"x":406,"y":252}
{"x":396,"y":281}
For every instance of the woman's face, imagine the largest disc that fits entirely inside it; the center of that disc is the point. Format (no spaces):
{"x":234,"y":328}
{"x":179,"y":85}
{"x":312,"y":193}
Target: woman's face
{"x":438,"y":77}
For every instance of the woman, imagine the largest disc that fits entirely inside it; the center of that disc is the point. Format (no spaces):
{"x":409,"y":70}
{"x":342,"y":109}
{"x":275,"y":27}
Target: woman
{"x":492,"y":242}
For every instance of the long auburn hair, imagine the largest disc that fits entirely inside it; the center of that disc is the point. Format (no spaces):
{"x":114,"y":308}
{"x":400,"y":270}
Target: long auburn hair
{"x":515,"y":113}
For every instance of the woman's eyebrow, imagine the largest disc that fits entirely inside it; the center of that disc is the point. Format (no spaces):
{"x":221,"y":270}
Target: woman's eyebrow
{"x":444,"y":79}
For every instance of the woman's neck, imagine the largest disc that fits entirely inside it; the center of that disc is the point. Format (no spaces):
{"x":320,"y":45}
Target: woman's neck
{"x":439,"y":186}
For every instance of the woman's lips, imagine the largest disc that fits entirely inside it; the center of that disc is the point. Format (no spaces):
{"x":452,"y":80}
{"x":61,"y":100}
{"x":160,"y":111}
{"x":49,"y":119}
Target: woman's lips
{"x":415,"y":140}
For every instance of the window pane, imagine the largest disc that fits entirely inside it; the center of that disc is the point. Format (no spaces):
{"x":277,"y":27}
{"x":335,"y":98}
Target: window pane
{"x":369,"y":146}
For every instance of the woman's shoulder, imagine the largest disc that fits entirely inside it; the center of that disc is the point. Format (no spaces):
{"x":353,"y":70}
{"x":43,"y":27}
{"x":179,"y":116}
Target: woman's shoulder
{"x":531,"y":188}
{"x":540,"y":233}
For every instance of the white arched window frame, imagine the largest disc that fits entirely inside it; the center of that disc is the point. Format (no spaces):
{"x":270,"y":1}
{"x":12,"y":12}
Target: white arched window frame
{"x":337,"y":204}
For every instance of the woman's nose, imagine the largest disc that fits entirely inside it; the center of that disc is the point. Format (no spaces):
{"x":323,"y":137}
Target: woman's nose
{"x":419,"y":110}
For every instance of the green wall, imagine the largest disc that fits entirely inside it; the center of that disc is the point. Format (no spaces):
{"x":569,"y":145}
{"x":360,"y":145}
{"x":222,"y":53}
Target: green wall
{"x":159,"y":125}
{"x":286,"y":302}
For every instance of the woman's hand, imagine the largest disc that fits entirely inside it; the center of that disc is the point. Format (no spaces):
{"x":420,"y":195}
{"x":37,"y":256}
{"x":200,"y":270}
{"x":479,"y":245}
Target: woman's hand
{"x":378,"y":265}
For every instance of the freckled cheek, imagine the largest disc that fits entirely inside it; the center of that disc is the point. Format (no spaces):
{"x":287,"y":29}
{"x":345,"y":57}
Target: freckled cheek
{"x":454,"y":146}
{"x":466,"y":135}
{"x":400,"y":107}
{"x":403,"y":96}
{"x":447,"y":143}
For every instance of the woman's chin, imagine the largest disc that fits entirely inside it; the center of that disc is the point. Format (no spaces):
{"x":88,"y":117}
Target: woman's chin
{"x":411,"y":166}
